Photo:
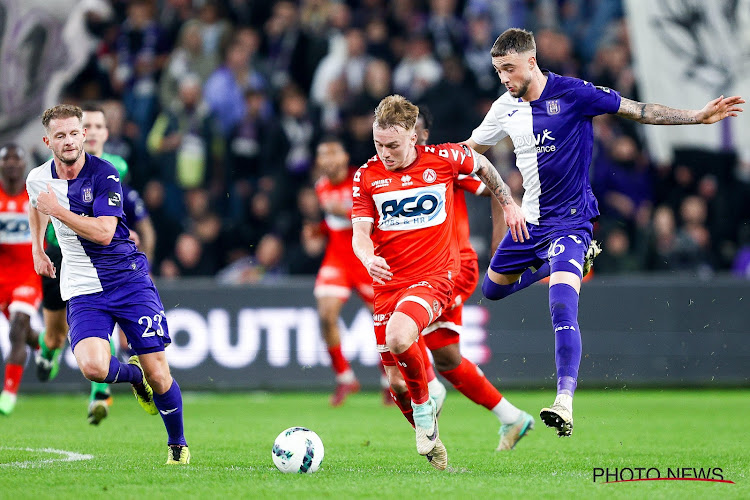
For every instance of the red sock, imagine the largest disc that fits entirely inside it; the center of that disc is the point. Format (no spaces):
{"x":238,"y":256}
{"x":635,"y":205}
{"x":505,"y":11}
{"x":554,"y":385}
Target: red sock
{"x":411,"y":365}
{"x":338,"y":361}
{"x":13,"y":374}
{"x":429,"y":371}
{"x":403,"y":401}
{"x":471,"y":382}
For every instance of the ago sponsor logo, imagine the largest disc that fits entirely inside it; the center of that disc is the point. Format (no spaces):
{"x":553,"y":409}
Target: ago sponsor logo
{"x":629,"y":474}
{"x":414,"y":208}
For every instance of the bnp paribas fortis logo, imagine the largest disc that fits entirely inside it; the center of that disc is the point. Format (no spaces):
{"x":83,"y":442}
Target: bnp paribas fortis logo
{"x":630,"y":474}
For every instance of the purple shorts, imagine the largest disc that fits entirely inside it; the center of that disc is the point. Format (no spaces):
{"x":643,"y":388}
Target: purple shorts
{"x":564,"y":248}
{"x":135,"y":306}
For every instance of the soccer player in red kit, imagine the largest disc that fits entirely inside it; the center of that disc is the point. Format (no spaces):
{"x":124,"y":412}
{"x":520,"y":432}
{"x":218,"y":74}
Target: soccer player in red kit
{"x":341,"y":271}
{"x":404,"y":235}
{"x":20,"y":286}
{"x":442,"y":336}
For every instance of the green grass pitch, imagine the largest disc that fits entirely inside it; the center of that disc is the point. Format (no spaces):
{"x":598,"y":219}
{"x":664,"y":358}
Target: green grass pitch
{"x":370,"y":449}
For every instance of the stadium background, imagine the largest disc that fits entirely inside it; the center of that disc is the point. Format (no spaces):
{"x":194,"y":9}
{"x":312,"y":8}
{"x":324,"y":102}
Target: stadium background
{"x":217,"y":106}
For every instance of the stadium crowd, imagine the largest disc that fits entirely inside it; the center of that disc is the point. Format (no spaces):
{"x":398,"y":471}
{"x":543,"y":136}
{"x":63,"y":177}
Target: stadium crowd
{"x":218,"y":106}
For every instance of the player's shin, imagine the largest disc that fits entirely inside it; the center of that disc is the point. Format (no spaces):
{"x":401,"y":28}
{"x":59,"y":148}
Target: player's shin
{"x":412,"y":367}
{"x":120,"y":372}
{"x":563,"y":300}
{"x":169,"y":405}
{"x":403,"y":401}
{"x":469,"y":380}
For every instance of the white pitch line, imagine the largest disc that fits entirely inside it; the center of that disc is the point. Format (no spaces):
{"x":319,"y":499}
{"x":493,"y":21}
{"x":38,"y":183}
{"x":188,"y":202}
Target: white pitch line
{"x":68,"y":456}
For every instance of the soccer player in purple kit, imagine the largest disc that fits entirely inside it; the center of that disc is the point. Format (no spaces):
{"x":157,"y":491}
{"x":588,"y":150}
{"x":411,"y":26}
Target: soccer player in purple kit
{"x":549,"y":119}
{"x":103,"y":276}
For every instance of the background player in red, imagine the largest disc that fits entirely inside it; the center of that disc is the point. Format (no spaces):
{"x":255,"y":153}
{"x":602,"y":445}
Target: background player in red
{"x":442,"y":336}
{"x":20,"y":286}
{"x":341,"y":272}
{"x":404,"y":236}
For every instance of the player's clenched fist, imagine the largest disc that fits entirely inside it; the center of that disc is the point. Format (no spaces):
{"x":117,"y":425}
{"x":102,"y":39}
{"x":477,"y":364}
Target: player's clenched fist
{"x":47,"y":202}
{"x":379,"y":269}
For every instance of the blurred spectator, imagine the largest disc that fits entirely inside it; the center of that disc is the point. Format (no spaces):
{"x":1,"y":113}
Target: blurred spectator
{"x":452,"y":117}
{"x":291,"y":138}
{"x":265,"y":267}
{"x":119,"y":142}
{"x":141,"y":51}
{"x":186,"y":142}
{"x":618,"y":257}
{"x":166,"y":225}
{"x":215,"y":30}
{"x":418,"y":70}
{"x":246,"y":159}
{"x":292,"y":55}
{"x":188,"y":260}
{"x":476,"y":55}
{"x":670,"y":250}
{"x":377,"y":85}
{"x":446,"y":30}
{"x":358,"y":136}
{"x":173,"y":14}
{"x":556,"y":50}
{"x":622,"y":182}
{"x":187,"y":58}
{"x":348,"y":63}
{"x":225,"y":88}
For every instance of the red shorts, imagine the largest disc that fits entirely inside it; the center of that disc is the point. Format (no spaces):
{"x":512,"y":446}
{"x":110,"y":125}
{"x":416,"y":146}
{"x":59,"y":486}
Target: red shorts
{"x":447,"y":328}
{"x":23,"y":296}
{"x":423,"y":302}
{"x":337,"y":278}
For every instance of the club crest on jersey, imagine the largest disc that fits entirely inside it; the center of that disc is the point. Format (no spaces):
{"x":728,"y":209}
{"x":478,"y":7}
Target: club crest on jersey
{"x":88,"y":194}
{"x":429,"y":176}
{"x":553,"y":107}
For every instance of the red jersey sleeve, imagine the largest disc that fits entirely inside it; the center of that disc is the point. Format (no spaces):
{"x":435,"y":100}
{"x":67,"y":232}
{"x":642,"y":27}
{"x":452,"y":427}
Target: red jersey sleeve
{"x":460,"y":156}
{"x":470,"y":183}
{"x":363,"y":208}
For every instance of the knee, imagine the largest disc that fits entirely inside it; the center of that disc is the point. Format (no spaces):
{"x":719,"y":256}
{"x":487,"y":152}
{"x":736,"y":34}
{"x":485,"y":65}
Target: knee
{"x":328,"y":320}
{"x":93,"y":369}
{"x":492,"y":290}
{"x":159,"y":379}
{"x":398,"y":385}
{"x":447,"y":358}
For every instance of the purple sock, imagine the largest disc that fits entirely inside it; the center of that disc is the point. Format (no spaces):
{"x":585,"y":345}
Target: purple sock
{"x":493,"y":291}
{"x":563,"y":305}
{"x":120,"y":372}
{"x":170,"y":408}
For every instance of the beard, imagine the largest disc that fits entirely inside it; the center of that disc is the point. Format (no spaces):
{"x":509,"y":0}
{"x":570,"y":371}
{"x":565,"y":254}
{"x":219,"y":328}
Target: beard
{"x":521,"y":91}
{"x":68,"y":161}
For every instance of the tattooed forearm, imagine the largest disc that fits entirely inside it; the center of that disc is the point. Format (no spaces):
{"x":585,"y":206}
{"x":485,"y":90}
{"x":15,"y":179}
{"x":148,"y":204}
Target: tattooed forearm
{"x":656,"y":114}
{"x":492,"y":180}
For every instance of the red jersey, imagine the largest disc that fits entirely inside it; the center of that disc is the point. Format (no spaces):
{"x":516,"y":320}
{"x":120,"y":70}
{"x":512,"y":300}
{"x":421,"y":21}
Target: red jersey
{"x":339,"y":228}
{"x":474,"y":185}
{"x":412,"y":211}
{"x":16,"y":261}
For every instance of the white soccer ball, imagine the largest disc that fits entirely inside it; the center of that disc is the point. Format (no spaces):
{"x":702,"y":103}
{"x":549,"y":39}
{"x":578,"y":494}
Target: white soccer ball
{"x":297,"y":450}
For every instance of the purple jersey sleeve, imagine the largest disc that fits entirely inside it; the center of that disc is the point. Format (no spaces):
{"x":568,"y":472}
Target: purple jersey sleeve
{"x":107,"y":192}
{"x":594,"y":101}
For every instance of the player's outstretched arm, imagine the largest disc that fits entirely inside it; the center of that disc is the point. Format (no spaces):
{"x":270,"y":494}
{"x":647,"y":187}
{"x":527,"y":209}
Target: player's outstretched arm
{"x":363,"y":248}
{"x":514,"y":218}
{"x":657,"y":114}
{"x":38,"y":226}
{"x":97,"y":229}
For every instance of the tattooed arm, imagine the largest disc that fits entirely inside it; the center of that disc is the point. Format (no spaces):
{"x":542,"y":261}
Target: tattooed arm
{"x":514,"y":218}
{"x":657,"y":114}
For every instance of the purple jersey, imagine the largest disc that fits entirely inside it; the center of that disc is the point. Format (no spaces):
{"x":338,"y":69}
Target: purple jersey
{"x":553,"y":141}
{"x":89,"y":267}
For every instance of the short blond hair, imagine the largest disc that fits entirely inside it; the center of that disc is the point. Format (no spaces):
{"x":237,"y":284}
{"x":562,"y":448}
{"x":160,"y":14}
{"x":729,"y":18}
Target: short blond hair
{"x":396,"y":110}
{"x":61,"y":111}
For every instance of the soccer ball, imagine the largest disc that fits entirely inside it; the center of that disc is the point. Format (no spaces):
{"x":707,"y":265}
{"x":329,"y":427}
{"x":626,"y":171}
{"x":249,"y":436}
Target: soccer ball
{"x":297,"y":450}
